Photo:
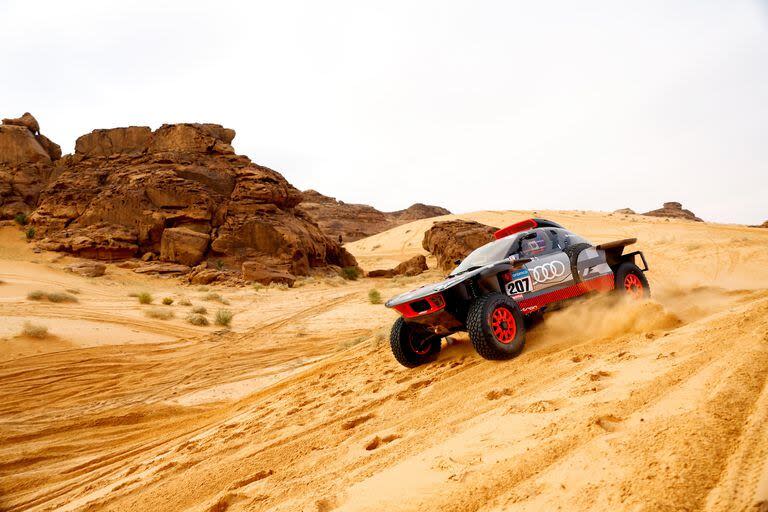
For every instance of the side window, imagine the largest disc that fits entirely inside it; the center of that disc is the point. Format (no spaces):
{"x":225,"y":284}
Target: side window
{"x":536,"y":243}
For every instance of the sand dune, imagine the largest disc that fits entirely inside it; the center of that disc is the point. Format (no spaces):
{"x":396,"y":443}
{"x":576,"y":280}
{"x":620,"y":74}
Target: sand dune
{"x":658,"y":405}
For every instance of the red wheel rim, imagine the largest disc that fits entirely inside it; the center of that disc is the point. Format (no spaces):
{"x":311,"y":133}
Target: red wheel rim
{"x":503,"y":325}
{"x":420,"y":350}
{"x":633,"y":286}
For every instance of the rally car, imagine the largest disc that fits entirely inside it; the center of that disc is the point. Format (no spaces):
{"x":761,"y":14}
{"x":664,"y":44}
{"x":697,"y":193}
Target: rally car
{"x":530,"y":266}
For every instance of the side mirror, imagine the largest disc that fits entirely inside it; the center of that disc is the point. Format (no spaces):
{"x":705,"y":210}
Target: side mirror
{"x":457,"y":261}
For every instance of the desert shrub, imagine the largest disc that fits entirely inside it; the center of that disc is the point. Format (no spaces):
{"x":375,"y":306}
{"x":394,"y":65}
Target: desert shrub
{"x":200,"y":310}
{"x":202,"y":288}
{"x":215,"y":297}
{"x":219,"y":265}
{"x":197,"y":320}
{"x":144,"y":297}
{"x":30,"y":232}
{"x":375,"y":247}
{"x":258,"y":286}
{"x":36,"y":295}
{"x":185,"y":302}
{"x":61,"y":297}
{"x":73,"y":291}
{"x":167,"y":301}
{"x":278,"y":286}
{"x":160,"y":314}
{"x":21,"y":219}
{"x":374,"y":296}
{"x":34,"y":330}
{"x":350,"y":273}
{"x":223,"y":317}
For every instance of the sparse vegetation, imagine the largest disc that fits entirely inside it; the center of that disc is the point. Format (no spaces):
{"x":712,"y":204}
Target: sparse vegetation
{"x":375,"y":247}
{"x":200,"y":310}
{"x":167,"y":301}
{"x":203,"y":289}
{"x":34,"y":330}
{"x":215,"y":297}
{"x":223,"y":317}
{"x":219,"y":265}
{"x":278,"y":286}
{"x":21,"y":219}
{"x":198,"y":320}
{"x":374,"y":296}
{"x":73,"y":291}
{"x":61,"y":297}
{"x":160,"y":314}
{"x":185,"y":302}
{"x":30,"y":233}
{"x":144,"y":298}
{"x":56,"y":297}
{"x":350,"y":273}
{"x":258,"y":286}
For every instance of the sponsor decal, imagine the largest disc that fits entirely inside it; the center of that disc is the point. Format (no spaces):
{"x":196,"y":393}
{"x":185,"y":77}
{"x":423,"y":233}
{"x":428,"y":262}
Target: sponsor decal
{"x":521,"y":282}
{"x":548,"y":271}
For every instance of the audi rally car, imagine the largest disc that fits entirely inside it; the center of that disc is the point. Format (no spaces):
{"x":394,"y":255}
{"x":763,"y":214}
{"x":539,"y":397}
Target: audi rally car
{"x":529,"y":267}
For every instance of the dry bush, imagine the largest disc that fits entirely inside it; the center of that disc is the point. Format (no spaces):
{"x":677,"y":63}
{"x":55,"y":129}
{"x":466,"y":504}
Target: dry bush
{"x":223,"y":317}
{"x":278,"y":286}
{"x":258,"y":287}
{"x":159,"y":314}
{"x":215,"y":297}
{"x":36,"y":295}
{"x":167,"y":301}
{"x":199,"y":310}
{"x":61,"y":297}
{"x":185,"y":302}
{"x":34,"y":330}
{"x":350,"y":273}
{"x":374,"y":296}
{"x":198,"y":320}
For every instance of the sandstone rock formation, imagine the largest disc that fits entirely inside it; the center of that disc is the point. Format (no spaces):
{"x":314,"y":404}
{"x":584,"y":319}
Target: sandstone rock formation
{"x":26,"y":158}
{"x":355,"y":221}
{"x":625,"y":211}
{"x":179,"y":191}
{"x":674,"y":210}
{"x":410,"y":267}
{"x":452,"y":240}
{"x":87,"y":268}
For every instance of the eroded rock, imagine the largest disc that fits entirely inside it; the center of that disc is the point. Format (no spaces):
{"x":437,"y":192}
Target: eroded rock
{"x":673,"y":210}
{"x":453,"y":240}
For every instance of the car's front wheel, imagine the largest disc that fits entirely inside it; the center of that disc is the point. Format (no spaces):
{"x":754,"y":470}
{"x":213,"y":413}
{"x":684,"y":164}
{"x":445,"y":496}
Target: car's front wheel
{"x":496,"y":327}
{"x":413,"y":346}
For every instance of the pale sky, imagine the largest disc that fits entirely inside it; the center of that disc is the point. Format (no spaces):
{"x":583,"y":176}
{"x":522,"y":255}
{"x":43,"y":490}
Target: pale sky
{"x":468,"y":105}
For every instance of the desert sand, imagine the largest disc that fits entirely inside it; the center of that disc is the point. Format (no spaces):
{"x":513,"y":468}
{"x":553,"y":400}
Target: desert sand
{"x":656,"y":405}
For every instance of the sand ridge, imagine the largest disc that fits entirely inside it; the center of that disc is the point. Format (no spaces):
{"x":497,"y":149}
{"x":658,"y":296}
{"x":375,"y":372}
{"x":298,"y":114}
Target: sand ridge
{"x":658,"y":405}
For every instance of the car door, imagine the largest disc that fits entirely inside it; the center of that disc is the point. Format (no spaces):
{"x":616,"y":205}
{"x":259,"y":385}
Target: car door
{"x":549,"y":267}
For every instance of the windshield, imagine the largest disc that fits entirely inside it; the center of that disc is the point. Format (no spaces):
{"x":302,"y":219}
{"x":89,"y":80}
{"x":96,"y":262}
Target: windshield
{"x":482,"y":256}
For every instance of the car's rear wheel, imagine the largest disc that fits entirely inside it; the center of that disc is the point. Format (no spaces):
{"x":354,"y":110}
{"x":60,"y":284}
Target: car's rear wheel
{"x":411,"y":345}
{"x":629,"y":280}
{"x":496,"y":327}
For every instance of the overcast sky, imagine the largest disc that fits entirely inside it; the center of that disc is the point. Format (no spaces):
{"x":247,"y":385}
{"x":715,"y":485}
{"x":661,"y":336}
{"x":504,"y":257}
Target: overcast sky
{"x":469,"y":105}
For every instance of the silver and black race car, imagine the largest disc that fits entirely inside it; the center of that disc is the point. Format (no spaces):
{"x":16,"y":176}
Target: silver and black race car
{"x":530,"y":266}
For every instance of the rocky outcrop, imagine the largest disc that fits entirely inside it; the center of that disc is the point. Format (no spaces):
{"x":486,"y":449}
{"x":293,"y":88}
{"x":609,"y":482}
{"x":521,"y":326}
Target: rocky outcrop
{"x":453,"y":240}
{"x":26,"y":162}
{"x":625,"y":211}
{"x":87,"y":268}
{"x":258,"y":272}
{"x":179,"y":192}
{"x":673,"y":210}
{"x":355,"y":221}
{"x":410,"y":267}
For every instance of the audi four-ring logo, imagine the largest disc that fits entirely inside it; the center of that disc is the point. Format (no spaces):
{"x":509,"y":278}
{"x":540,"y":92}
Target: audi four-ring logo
{"x":548,"y":271}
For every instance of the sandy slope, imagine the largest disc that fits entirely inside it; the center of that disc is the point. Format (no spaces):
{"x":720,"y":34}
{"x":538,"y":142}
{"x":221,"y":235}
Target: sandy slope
{"x":648,"y":406}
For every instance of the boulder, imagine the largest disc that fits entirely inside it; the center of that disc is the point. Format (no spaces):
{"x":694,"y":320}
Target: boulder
{"x":204,"y":276}
{"x":256,"y":271}
{"x":113,"y":141}
{"x":453,"y":240}
{"x":390,"y":272}
{"x":50,"y":147}
{"x":412,"y":267}
{"x":27,"y":120}
{"x":673,"y":210}
{"x":87,"y":268}
{"x":19,"y":146}
{"x":192,"y":138}
{"x":183,"y":245}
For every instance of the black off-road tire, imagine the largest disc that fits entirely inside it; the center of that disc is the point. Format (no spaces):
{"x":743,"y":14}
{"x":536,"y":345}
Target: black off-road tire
{"x":480,"y":324}
{"x":629,"y":280}
{"x":402,"y":339}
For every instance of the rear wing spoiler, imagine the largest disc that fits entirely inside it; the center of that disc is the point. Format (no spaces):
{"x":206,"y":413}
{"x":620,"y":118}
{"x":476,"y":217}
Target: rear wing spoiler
{"x":614,"y":252}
